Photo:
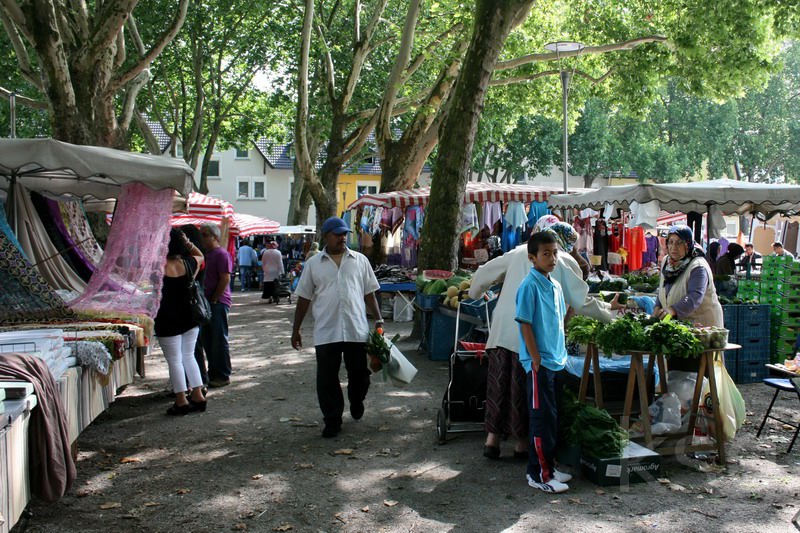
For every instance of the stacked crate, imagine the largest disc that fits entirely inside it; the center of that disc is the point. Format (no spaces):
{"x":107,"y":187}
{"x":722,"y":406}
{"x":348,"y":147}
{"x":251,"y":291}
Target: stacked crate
{"x":749,"y":289}
{"x":781,"y":280}
{"x":730,"y":315}
{"x":753,"y":335}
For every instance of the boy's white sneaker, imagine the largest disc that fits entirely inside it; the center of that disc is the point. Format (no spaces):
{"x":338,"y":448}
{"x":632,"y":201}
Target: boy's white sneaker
{"x":563,"y":477}
{"x":553,"y":486}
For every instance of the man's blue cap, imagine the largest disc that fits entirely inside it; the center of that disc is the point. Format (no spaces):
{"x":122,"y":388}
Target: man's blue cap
{"x":335,"y":225}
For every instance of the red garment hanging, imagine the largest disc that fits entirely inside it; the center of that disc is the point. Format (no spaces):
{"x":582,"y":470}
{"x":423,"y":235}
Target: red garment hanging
{"x":636,"y":248}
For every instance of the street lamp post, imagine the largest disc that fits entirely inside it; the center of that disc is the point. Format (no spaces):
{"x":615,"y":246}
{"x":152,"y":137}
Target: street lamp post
{"x":571,"y":48}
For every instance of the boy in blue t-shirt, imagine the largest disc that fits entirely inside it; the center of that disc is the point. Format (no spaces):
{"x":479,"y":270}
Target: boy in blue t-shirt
{"x":543,"y":354}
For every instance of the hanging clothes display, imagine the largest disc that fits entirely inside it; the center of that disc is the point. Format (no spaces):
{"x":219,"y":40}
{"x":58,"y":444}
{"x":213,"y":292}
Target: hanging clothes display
{"x":469,"y":219}
{"x":716,"y":222}
{"x":600,"y":243}
{"x":9,"y":233}
{"x":537,"y":210}
{"x":66,"y":249}
{"x":515,"y":215}
{"x":636,"y":248}
{"x":651,"y":250}
{"x":492,"y":212}
{"x":695,"y":221}
{"x":585,"y":244}
{"x":644,"y":215}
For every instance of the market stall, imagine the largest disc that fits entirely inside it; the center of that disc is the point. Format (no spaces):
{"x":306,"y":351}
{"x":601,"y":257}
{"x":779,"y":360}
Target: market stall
{"x":110,"y":319}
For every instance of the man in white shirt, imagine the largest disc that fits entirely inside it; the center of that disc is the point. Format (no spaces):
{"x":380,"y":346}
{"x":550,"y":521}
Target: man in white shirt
{"x":342,"y":286}
{"x":272,"y":267}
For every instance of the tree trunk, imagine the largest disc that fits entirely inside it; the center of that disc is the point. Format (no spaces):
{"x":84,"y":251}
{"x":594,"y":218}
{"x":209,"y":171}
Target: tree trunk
{"x":301,"y":215}
{"x":494,"y":20}
{"x":587,"y":181}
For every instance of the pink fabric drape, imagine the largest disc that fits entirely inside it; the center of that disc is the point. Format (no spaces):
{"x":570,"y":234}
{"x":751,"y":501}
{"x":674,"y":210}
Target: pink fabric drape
{"x":130,"y":275}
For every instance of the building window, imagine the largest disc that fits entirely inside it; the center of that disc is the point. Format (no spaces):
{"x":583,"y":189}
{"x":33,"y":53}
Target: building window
{"x":242,"y":153}
{"x":213,"y":169}
{"x":362,"y":189}
{"x":179,"y":150}
{"x":251,"y":188}
{"x":370,"y":160}
{"x":259,"y":189}
{"x":243,"y":188}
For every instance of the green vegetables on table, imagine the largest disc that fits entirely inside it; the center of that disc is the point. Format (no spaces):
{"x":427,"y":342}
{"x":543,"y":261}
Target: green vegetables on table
{"x":582,"y":329}
{"x":673,"y":339}
{"x":592,"y":429}
{"x":623,"y":335}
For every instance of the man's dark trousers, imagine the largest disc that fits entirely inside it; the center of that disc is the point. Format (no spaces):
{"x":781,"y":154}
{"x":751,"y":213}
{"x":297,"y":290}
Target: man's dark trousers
{"x":329,"y":390}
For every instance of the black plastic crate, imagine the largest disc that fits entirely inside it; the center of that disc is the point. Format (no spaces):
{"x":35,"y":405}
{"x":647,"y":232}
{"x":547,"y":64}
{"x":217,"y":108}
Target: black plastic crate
{"x":731,"y":364}
{"x":753,"y":313}
{"x":761,"y":354}
{"x":753,"y":329}
{"x":750,"y":372}
{"x":758,"y":345}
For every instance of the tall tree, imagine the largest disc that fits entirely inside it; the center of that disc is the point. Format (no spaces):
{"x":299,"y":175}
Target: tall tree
{"x":493,"y":21}
{"x":76,"y":54}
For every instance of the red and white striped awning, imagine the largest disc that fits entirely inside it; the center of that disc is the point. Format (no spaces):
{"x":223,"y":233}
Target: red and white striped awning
{"x":475,"y":192}
{"x":668,"y":219}
{"x":240,"y":225}
{"x":202,"y":205}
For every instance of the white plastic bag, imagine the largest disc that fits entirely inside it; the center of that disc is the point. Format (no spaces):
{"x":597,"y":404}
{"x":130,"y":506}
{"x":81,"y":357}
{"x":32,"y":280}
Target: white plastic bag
{"x":731,"y":403}
{"x":665,"y":414}
{"x":399,"y":370}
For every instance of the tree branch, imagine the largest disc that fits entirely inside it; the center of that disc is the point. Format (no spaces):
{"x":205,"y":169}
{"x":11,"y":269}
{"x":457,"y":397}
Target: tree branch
{"x":112,"y":17}
{"x":327,"y":61}
{"x":14,"y":12}
{"x":23,"y":59}
{"x":133,"y":31}
{"x":148,"y":58}
{"x":553,"y":56}
{"x":592,"y":79}
{"x":129,"y":101}
{"x":417,"y":61}
{"x":361,"y":50}
{"x":24,"y":100}
{"x":147,"y":133}
{"x":517,"y":79}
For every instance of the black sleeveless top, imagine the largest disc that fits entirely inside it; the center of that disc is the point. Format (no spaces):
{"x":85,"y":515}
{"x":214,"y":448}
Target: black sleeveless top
{"x":174,"y":315}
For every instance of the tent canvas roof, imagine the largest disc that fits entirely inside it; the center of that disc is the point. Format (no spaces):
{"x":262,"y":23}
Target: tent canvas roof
{"x":730,"y":196}
{"x":59,"y":168}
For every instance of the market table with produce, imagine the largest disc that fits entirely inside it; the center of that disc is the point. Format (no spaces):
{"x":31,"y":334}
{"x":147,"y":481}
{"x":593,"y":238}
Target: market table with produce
{"x":640,"y":335}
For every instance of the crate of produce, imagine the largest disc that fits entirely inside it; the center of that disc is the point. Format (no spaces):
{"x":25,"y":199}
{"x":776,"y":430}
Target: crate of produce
{"x":427,"y":302}
{"x":753,"y":313}
{"x":750,"y":372}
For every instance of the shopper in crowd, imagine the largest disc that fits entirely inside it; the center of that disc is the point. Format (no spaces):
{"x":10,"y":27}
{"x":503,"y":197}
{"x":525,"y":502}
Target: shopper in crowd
{"x":314,"y":250}
{"x":726,"y":265}
{"x":342,"y":285}
{"x":193,"y":234}
{"x":750,"y":257}
{"x":506,"y":410}
{"x":713,"y":255}
{"x":686,"y":289}
{"x":272,"y":266}
{"x":779,"y":251}
{"x":174,"y":326}
{"x":247,"y":259}
{"x":214,"y":335}
{"x":540,"y":312}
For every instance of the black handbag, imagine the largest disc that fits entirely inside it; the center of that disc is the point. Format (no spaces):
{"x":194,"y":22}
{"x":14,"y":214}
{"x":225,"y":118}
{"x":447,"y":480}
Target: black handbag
{"x":198,"y":303}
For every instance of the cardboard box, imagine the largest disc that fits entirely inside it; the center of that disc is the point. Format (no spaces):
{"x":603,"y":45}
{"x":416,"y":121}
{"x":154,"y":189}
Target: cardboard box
{"x":636,"y":465}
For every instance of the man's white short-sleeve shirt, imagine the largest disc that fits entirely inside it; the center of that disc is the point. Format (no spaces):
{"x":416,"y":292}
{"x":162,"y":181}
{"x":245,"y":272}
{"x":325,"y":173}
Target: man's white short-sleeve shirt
{"x":337,"y":296}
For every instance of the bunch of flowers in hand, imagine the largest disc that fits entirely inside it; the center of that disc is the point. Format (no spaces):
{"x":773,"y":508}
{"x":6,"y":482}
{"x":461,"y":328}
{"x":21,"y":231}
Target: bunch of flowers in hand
{"x":379,"y":349}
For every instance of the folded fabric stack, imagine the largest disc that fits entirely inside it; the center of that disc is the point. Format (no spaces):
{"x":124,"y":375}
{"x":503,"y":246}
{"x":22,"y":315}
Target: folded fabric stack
{"x":45,"y":344}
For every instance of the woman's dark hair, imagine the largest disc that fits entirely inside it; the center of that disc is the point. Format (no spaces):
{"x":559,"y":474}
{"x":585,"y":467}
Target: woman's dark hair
{"x":176,"y":247}
{"x":734,"y":250}
{"x":537,"y":239}
{"x":713,"y":251}
{"x":193,"y":234}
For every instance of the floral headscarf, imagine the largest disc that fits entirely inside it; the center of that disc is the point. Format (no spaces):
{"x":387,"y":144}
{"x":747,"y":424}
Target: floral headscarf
{"x":565,"y":235}
{"x":672,"y":272}
{"x":544,"y":222}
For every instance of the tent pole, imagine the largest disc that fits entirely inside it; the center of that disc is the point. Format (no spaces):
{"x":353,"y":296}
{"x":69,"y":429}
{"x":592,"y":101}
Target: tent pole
{"x":10,"y":204}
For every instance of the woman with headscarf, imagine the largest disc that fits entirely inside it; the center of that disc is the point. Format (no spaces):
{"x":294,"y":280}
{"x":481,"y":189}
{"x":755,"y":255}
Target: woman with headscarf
{"x":506,"y":410}
{"x":725,"y":272}
{"x":686,"y":290}
{"x":272,"y":265}
{"x":711,"y":256}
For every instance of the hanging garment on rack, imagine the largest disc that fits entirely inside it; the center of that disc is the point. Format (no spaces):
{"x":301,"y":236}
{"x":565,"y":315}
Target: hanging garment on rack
{"x":78,"y":227}
{"x":644,"y":215}
{"x":600,"y":245}
{"x":469,"y":219}
{"x":536,"y":211}
{"x":716,"y":222}
{"x":515,"y":215}
{"x":636,"y":248}
{"x":511,"y":237}
{"x":492,"y":212}
{"x":695,"y":221}
{"x":397,"y":218}
{"x":585,"y":242}
{"x":588,"y":213}
{"x":9,"y":233}
{"x":651,"y":250}
{"x":413,"y":224}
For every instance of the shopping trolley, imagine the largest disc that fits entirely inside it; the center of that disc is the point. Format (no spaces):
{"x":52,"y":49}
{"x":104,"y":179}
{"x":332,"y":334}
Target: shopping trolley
{"x":463,"y":405}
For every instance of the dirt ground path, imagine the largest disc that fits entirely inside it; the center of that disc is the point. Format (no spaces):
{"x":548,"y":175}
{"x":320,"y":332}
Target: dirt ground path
{"x":255,"y":461}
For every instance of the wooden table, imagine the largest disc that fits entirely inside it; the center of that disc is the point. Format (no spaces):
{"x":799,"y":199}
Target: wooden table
{"x":676,"y":443}
{"x":591,"y":360}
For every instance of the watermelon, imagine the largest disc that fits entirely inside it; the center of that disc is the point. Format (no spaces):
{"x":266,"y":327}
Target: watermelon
{"x":437,"y":274}
{"x":435,"y":287}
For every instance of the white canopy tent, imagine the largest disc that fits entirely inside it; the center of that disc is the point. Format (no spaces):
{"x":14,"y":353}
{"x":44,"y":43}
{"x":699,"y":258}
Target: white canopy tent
{"x":59,"y":168}
{"x":729,"y":196}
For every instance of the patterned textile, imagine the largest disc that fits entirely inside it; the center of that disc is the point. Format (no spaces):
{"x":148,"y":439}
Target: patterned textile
{"x":6,"y":229}
{"x":79,"y":230}
{"x":24,"y":294}
{"x":39,"y":248}
{"x":75,"y":252}
{"x":506,"y":395}
{"x":130,"y":276}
